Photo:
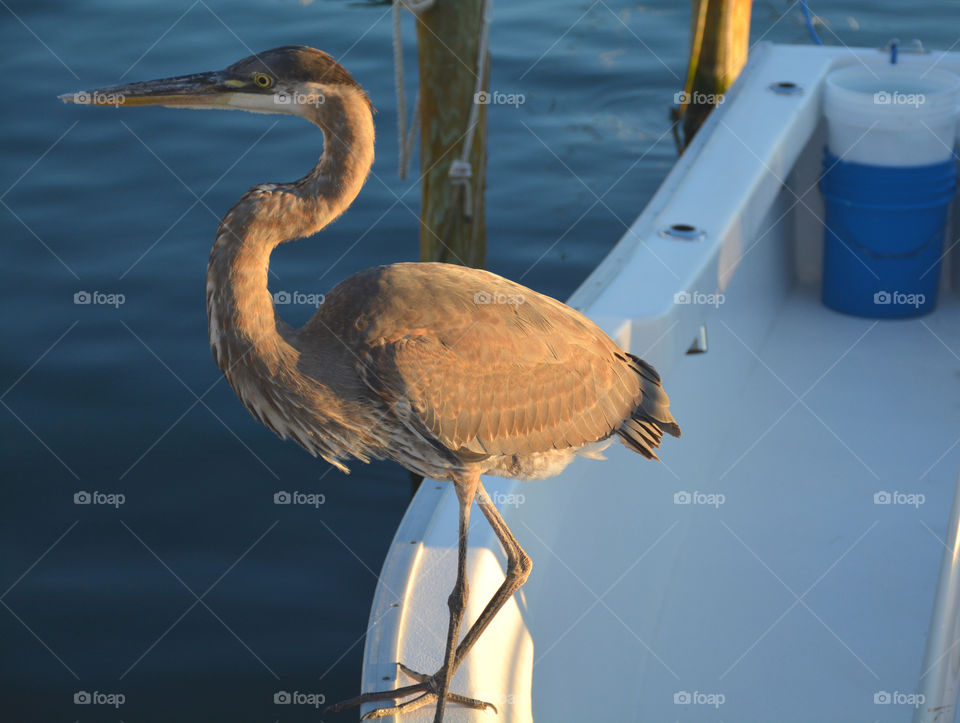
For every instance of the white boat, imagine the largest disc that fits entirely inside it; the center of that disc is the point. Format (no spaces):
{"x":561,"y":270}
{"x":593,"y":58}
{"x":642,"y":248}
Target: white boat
{"x":781,"y":563}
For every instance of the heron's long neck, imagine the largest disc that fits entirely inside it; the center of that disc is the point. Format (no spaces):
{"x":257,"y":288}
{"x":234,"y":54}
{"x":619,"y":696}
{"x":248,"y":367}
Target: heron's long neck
{"x":243,"y":323}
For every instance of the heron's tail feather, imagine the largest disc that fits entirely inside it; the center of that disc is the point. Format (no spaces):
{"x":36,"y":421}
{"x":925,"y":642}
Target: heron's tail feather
{"x":644,"y":429}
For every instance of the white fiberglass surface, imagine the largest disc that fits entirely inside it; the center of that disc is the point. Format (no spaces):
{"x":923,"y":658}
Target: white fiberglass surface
{"x":797,"y":583}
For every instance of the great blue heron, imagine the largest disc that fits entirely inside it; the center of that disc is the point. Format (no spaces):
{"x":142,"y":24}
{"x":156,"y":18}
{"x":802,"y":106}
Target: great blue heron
{"x":450,"y":371}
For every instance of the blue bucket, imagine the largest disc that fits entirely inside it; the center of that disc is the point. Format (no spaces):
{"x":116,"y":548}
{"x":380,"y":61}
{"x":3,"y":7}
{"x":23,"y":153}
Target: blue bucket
{"x":884,"y":236}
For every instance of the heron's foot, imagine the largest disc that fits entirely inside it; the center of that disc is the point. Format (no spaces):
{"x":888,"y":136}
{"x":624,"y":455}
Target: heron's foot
{"x":427,"y":687}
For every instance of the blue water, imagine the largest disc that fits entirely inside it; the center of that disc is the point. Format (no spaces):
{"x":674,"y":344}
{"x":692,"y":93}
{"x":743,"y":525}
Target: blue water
{"x":104,"y":398}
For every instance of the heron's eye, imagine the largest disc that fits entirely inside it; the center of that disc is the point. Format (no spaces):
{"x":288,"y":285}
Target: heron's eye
{"x":262,"y":80}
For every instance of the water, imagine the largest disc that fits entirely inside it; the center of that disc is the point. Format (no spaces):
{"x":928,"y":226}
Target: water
{"x":198,"y":598}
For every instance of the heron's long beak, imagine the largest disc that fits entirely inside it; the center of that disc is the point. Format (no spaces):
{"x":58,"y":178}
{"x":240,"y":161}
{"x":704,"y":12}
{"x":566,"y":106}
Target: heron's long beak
{"x":200,"y":90}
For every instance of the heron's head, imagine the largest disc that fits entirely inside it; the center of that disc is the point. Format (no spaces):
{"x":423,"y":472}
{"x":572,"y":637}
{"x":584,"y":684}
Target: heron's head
{"x":294,"y":80}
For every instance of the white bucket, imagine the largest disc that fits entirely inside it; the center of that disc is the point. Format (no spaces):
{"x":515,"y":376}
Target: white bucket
{"x":892,"y":115}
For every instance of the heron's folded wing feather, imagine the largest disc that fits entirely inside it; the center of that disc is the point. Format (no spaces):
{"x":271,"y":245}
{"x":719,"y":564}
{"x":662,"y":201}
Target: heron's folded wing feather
{"x":483,"y":366}
{"x":499,"y":390}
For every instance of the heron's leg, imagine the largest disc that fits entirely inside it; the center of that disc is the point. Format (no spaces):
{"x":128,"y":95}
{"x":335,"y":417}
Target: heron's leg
{"x":518,"y":570}
{"x":466,"y":488}
{"x":435,"y":687}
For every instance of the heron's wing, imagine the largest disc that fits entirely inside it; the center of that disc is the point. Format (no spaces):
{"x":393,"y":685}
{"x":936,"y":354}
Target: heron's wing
{"x":502,"y":375}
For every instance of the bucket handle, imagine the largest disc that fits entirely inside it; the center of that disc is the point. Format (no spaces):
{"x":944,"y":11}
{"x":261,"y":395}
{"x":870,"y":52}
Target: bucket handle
{"x":934,"y":237}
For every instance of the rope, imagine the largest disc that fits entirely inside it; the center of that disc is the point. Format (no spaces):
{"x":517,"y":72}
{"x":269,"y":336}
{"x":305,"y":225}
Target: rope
{"x":809,"y":18}
{"x":405,"y":137}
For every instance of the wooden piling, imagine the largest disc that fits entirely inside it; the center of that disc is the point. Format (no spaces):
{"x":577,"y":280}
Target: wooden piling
{"x":719,"y":45}
{"x":448,"y":35}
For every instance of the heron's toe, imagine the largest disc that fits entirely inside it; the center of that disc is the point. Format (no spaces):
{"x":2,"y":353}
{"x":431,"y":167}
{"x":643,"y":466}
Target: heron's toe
{"x":417,"y":676}
{"x":427,"y":686}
